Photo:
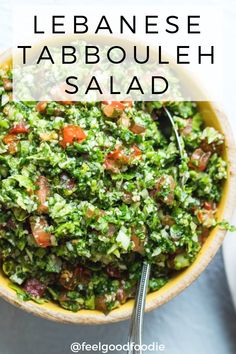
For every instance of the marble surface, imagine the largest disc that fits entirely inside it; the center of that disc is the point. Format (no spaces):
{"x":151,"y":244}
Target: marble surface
{"x":200,"y":320}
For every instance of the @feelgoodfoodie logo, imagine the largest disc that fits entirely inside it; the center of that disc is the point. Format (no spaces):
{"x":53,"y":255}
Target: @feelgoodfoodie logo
{"x":105,"y":348}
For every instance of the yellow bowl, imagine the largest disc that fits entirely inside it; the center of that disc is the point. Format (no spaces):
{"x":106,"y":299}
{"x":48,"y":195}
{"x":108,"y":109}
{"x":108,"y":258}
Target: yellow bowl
{"x":212,"y":117}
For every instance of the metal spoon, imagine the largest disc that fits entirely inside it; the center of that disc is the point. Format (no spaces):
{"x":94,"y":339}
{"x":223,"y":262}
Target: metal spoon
{"x":177,"y":137}
{"x":136,"y":326}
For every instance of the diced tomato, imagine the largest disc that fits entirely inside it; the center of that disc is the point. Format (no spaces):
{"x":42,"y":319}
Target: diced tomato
{"x":7,"y":84}
{"x":67,"y":182}
{"x":92,"y":213}
{"x":118,"y":154}
{"x":12,"y":148}
{"x":200,"y":216}
{"x":67,"y":102}
{"x":115,"y":104}
{"x":111,"y":229}
{"x":137,"y":128}
{"x":113,"y":109}
{"x":101,"y":303}
{"x":115,"y":159}
{"x":109,"y":111}
{"x":204,"y":233}
{"x":41,"y":106}
{"x":128,"y":103}
{"x":215,"y":146}
{"x":199,"y":160}
{"x":113,"y":272}
{"x":38,"y":226}
{"x":205,"y":217}
{"x":82,"y":275}
{"x":207,"y":205}
{"x":11,"y":140}
{"x":42,"y":193}
{"x":72,"y":133}
{"x":111,"y":165}
{"x":19,"y":129}
{"x":121,"y":295}
{"x":188,"y":128}
{"x":69,"y":279}
{"x":114,"y":155}
{"x":137,"y":152}
{"x":34,"y":287}
{"x":168,"y":184}
{"x":124,"y":121}
{"x":138,"y":244}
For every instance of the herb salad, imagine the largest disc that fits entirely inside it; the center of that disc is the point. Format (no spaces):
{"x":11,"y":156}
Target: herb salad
{"x":89,"y":189}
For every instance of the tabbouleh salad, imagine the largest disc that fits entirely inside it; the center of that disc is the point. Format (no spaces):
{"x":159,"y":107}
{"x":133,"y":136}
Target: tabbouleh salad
{"x":88,"y":190}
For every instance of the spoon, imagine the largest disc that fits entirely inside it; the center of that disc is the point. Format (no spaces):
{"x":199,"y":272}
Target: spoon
{"x":136,"y":326}
{"x":177,"y":137}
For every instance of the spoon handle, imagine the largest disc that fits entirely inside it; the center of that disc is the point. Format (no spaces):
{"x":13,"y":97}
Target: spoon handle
{"x":135,"y":334}
{"x":178,"y":140}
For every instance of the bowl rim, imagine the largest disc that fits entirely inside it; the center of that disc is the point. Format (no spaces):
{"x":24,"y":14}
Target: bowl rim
{"x":174,"y":286}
